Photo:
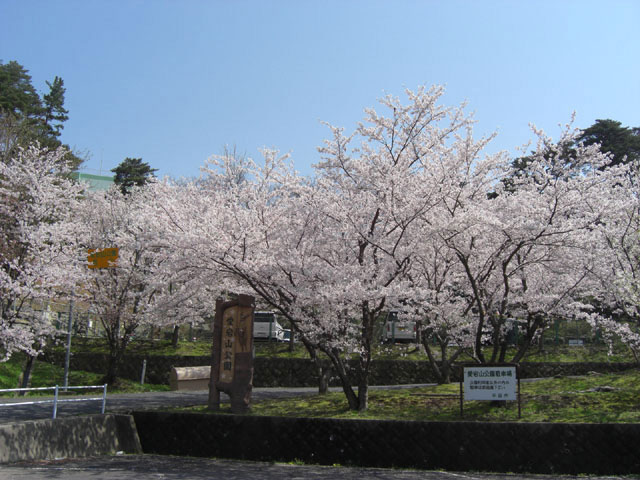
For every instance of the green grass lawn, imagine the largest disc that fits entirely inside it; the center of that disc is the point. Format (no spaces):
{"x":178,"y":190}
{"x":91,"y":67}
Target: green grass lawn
{"x":549,"y":400}
{"x":551,"y":353}
{"x":565,"y":400}
{"x":48,"y":375}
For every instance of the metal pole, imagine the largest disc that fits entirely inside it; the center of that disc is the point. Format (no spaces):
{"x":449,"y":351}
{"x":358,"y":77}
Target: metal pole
{"x":104,"y":398}
{"x":144,"y":371}
{"x":519,"y":398}
{"x":55,"y":403}
{"x":462,"y":395}
{"x":67,"y":357}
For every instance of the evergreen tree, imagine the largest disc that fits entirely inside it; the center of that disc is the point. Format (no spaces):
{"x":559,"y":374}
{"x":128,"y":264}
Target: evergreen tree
{"x":17,"y":95}
{"x":132,"y":172}
{"x":54,"y":110}
{"x":623,"y":143}
{"x":26,"y":117}
{"x":620,"y":141}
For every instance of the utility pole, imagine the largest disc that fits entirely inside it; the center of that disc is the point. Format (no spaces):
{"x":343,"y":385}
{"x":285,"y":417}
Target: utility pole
{"x":67,"y":357}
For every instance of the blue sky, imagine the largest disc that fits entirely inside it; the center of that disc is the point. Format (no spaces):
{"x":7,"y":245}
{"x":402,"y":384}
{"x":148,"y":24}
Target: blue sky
{"x":174,"y":81}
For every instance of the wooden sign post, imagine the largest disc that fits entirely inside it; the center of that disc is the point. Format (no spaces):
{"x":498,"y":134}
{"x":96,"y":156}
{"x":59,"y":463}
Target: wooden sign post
{"x":232,"y":353}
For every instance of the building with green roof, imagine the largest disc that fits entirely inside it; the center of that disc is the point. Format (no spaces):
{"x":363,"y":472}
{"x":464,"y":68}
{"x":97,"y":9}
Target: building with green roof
{"x":96,"y":182}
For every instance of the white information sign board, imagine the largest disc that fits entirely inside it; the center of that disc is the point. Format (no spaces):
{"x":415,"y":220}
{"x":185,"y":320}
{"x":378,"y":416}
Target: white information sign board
{"x":490,"y":383}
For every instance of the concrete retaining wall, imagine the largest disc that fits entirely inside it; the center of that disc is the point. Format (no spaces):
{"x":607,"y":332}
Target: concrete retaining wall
{"x":543,"y":448}
{"x":301,"y":372}
{"x":70,"y":437}
{"x":457,"y":446}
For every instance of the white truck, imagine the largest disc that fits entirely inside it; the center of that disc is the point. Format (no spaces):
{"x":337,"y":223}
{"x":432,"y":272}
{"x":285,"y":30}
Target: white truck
{"x":267,"y":328}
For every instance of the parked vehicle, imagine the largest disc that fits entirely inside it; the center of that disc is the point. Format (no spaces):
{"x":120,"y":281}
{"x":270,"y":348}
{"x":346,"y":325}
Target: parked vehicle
{"x":266,"y":327}
{"x":287,"y":335}
{"x":397,"y":330}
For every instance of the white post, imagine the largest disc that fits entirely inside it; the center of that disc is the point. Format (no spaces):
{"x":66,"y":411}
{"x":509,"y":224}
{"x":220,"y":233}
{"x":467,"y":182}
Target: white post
{"x":104,"y":398}
{"x":55,"y":403}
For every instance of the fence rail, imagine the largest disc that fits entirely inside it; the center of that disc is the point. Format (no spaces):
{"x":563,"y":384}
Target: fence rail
{"x":56,"y":400}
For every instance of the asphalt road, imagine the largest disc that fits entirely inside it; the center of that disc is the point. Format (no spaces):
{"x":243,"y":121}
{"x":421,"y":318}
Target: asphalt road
{"x":12,"y":411}
{"x":147,"y":467}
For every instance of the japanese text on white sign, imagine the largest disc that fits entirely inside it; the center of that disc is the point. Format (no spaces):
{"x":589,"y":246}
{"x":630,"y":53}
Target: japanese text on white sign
{"x":490,"y":383}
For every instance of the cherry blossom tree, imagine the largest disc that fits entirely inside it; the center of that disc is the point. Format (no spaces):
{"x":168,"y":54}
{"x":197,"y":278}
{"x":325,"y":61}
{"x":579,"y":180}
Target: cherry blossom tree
{"x":524,"y":250}
{"x":615,"y":261}
{"x":379,"y":198}
{"x":442,"y":310}
{"x":332,"y":254}
{"x":124,"y":295}
{"x":37,"y":198}
{"x":406,"y":213}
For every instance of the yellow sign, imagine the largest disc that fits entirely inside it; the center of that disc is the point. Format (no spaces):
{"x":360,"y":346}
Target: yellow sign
{"x":102,"y":257}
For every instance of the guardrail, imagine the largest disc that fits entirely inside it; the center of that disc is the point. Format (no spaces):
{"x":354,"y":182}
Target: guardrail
{"x":56,"y":400}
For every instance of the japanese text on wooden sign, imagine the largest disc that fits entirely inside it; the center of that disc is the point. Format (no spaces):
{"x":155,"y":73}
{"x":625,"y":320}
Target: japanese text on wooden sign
{"x":236,"y":331}
{"x":232,"y":359}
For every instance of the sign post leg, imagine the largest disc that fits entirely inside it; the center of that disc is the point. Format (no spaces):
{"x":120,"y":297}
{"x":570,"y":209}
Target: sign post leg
{"x":461,"y":399}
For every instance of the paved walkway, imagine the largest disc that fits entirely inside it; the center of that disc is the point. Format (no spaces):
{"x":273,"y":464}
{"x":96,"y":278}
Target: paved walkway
{"x":117,"y":403}
{"x":147,"y":467}
{"x":11,"y":412}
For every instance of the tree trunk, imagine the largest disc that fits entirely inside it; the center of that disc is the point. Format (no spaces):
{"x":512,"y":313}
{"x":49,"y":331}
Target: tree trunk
{"x":432,"y":361}
{"x":527,"y":339}
{"x":363,"y":379}
{"x":445,"y":364}
{"x":443,"y":368}
{"x":176,"y":336}
{"x":503,"y":352}
{"x":352,"y":398}
{"x":324,"y":375}
{"x":445,"y":372}
{"x":363,"y":395}
{"x":291,"y":341}
{"x":26,"y":373}
{"x":364,"y":363}
{"x":113,"y":368}
{"x":116,"y":357}
{"x":323,"y":370}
